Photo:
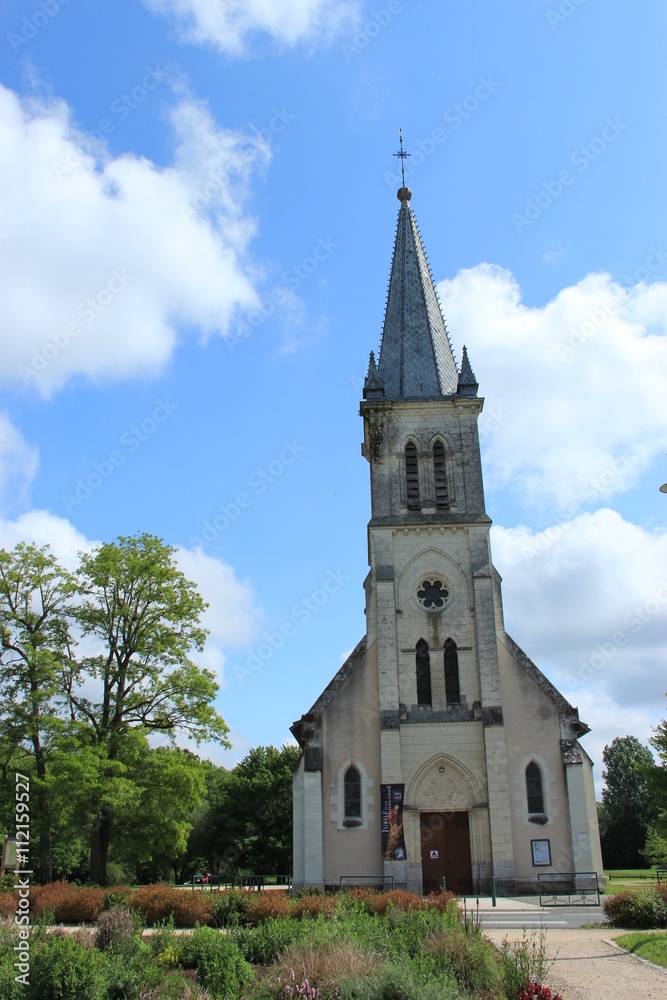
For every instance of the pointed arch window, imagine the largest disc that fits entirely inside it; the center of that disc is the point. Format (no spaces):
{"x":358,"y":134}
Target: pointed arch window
{"x":352,"y":795}
{"x":440,"y":475}
{"x":452,"y":686}
{"x":423,"y":674}
{"x":534,"y":789}
{"x":412,"y":475}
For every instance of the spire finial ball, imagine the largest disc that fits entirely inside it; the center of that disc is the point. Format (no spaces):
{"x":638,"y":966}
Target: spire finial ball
{"x":404,"y":194}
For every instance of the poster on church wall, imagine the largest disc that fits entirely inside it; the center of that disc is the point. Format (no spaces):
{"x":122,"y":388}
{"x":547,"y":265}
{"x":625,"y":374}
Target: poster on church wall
{"x":541,"y":853}
{"x":393,"y":843}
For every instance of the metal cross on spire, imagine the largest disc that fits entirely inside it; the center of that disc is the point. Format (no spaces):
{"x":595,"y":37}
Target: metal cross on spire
{"x":402,"y":155}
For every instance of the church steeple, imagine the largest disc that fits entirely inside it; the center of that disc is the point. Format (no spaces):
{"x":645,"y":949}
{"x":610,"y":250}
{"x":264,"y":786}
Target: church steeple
{"x":416,"y":358}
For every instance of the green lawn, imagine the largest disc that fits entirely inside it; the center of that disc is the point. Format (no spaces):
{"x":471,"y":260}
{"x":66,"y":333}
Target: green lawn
{"x":618,"y":880}
{"x":652,"y":946}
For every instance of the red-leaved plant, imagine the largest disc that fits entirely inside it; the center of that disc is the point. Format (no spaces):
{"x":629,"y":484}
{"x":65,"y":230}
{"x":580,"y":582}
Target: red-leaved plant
{"x":535,"y":991}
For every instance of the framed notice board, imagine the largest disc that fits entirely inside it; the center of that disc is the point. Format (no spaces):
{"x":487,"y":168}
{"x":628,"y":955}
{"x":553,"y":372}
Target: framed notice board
{"x":541,"y":853}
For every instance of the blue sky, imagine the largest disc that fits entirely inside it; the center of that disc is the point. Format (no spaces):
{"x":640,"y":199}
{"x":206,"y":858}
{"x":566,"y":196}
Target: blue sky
{"x":197,"y":211}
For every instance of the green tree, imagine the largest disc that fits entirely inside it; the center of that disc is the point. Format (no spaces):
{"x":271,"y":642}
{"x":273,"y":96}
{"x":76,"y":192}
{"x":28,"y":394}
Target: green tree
{"x":655,"y":849}
{"x":35,"y":643}
{"x":252,"y":813}
{"x":144,"y":619}
{"x":628,"y":802}
{"x":656,"y":777}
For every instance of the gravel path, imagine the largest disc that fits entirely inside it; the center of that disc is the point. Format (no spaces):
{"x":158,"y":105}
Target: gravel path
{"x":585,"y":968}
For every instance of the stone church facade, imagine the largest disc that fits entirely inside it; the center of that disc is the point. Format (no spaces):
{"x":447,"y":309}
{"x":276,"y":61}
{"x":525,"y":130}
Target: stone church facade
{"x":439,"y":749}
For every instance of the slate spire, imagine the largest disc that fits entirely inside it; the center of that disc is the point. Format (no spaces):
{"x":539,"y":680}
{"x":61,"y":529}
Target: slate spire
{"x":416,"y":358}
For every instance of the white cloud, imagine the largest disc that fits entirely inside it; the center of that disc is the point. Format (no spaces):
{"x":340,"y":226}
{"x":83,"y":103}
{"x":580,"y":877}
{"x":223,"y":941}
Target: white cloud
{"x":587,"y":601}
{"x":18,"y":462}
{"x":232,"y":617}
{"x":228,"y":25}
{"x":571,"y":388}
{"x":43,"y":528}
{"x":151,"y":246}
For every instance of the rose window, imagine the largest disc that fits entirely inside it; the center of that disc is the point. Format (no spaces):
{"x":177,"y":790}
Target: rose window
{"x":432,"y":595}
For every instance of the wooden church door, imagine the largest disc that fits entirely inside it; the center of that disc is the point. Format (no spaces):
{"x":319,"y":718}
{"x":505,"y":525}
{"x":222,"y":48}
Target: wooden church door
{"x":445,"y":844}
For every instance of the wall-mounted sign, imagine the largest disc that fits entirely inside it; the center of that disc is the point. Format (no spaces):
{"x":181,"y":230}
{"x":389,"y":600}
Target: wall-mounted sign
{"x":541,"y":853}
{"x":434,"y":855}
{"x":393,"y":843}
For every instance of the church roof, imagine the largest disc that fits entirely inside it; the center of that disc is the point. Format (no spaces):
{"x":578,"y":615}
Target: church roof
{"x":416,"y":357}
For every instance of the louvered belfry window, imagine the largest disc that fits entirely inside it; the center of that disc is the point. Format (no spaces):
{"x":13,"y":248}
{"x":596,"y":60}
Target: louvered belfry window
{"x":440,"y":475}
{"x":423,"y":674}
{"x":452,"y":688}
{"x":412,"y":476}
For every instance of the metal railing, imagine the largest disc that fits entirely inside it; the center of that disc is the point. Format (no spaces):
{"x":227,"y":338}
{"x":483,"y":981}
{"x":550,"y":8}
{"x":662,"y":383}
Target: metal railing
{"x":367,"y":881}
{"x":204,"y":880}
{"x":568,"y":889}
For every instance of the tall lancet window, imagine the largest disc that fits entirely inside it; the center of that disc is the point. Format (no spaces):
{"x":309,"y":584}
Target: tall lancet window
{"x":452,"y":687}
{"x":352,"y":790}
{"x":440,"y":475}
{"x":423,"y":674}
{"x":534,"y":789}
{"x":412,"y":476}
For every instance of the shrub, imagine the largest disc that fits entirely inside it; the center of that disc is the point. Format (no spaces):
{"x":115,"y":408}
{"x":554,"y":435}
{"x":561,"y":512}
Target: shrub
{"x":266,"y":905}
{"x":470,"y":956}
{"x":156,"y":903}
{"x":115,"y":929}
{"x":117,"y":896}
{"x":313,"y":906}
{"x":221,"y":968}
{"x":68,"y":903}
{"x":398,"y":980}
{"x":523,"y":961}
{"x":643,"y":908}
{"x":325,"y":963}
{"x":62,"y":969}
{"x":261,"y":945}
{"x":229,"y":908}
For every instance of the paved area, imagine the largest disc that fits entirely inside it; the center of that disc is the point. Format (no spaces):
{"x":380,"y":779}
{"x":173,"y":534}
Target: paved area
{"x":586,"y":966}
{"x":525,"y":911}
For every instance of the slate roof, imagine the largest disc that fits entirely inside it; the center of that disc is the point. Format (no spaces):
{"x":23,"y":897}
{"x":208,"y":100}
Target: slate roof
{"x":416,"y":357}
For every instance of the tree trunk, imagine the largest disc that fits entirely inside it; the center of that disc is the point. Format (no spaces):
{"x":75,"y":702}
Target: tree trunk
{"x":100,"y":835}
{"x":45,"y":855}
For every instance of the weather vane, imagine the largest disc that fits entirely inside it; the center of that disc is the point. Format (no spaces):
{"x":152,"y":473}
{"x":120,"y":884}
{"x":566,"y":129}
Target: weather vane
{"x":402,"y":155}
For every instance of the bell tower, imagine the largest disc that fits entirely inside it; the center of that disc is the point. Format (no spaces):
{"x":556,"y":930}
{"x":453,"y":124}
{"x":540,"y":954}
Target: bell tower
{"x":433,"y":601}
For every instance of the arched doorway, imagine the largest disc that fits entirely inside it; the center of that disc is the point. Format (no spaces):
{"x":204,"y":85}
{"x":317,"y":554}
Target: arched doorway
{"x":444,"y":792}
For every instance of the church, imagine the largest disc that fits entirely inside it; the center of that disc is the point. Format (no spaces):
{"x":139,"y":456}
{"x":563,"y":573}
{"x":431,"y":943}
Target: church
{"x":439,"y":749}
